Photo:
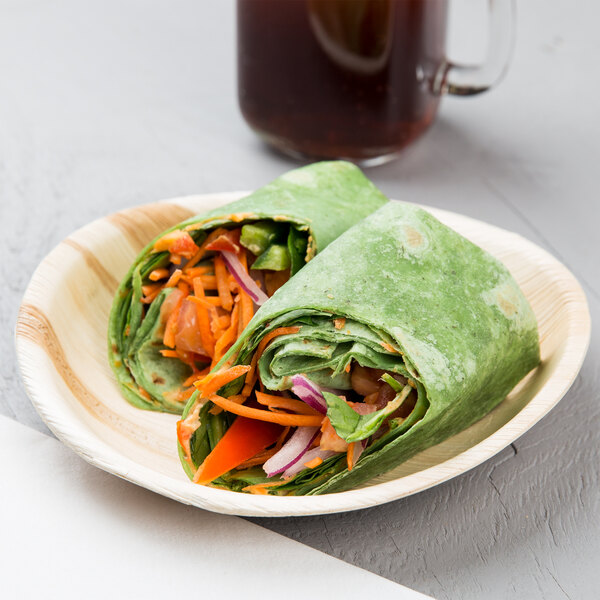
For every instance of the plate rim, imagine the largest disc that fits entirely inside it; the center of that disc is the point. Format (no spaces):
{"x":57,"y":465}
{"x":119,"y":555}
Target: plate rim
{"x":85,"y":442}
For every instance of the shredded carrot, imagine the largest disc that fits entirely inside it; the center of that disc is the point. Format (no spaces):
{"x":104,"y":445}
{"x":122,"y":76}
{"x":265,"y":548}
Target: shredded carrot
{"x":197,"y":257}
{"x":247,"y":311}
{"x":250,"y":383}
{"x":347,"y":369}
{"x":174,"y":279}
{"x":158,"y":274}
{"x":293,"y":420}
{"x":150,"y":288}
{"x":206,"y":336}
{"x":350,"y":455}
{"x":238,"y":399}
{"x":197,"y":271}
{"x":260,"y":488}
{"x":228,"y":337}
{"x":224,"y":321}
{"x":220,"y":319}
{"x":196,"y":376}
{"x":185,"y":429}
{"x":215,"y":381}
{"x":209,"y":282}
{"x":184,"y":287}
{"x":296,"y":406}
{"x":247,"y":307}
{"x":213,"y":235}
{"x":222,"y":283}
{"x":189,"y":358}
{"x":149,"y":298}
{"x":171,"y":326}
{"x":261,"y":348}
{"x":272,"y":335}
{"x":215,"y":322}
{"x":315,"y":462}
{"x":206,"y":301}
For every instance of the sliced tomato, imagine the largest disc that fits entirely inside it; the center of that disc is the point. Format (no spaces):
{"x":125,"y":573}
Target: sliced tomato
{"x":177,"y":242}
{"x":228,"y":241}
{"x":188,"y":337}
{"x":330,"y":440}
{"x":184,"y":245}
{"x":169,"y":303}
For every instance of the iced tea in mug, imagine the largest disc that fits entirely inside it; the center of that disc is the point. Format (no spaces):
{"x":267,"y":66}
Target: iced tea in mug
{"x":355,"y":79}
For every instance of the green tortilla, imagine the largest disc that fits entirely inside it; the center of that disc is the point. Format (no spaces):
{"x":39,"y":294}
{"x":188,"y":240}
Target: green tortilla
{"x":419,"y":300}
{"x":318,"y":203}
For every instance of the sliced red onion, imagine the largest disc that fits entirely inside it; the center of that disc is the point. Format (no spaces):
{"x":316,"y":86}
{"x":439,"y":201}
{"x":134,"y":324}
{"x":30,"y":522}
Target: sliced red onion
{"x":309,"y":392}
{"x":292,"y":451}
{"x":246,"y":282}
{"x":308,"y":456}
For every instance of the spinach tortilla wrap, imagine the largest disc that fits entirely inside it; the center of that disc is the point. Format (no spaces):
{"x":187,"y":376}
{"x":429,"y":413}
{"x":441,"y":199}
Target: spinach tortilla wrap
{"x":397,"y":336}
{"x":191,"y":291}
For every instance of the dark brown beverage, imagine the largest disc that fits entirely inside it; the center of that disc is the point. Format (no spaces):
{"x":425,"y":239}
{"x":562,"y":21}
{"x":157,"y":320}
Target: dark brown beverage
{"x":339,"y":78}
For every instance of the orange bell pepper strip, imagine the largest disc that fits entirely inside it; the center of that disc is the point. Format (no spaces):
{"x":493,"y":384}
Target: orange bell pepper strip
{"x":243,"y":440}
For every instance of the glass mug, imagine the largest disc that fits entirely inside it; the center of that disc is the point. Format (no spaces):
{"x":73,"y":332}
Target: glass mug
{"x":354,"y":79}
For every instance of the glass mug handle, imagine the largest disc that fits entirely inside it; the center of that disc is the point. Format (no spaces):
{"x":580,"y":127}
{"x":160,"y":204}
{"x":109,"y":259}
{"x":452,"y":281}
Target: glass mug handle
{"x":467,"y":80}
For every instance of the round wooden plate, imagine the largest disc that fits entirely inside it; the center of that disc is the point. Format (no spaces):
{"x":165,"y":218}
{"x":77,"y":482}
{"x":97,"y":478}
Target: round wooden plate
{"x":62,"y":351}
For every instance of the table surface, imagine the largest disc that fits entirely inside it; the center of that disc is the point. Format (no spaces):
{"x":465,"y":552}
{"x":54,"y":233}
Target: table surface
{"x":104,"y":105}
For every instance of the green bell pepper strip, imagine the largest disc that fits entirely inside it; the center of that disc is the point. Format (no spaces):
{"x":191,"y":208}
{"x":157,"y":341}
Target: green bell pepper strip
{"x":276,"y":258}
{"x":257,"y":237}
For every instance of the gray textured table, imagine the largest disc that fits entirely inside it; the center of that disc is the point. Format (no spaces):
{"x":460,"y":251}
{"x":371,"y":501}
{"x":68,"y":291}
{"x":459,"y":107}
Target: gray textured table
{"x":108,"y":104}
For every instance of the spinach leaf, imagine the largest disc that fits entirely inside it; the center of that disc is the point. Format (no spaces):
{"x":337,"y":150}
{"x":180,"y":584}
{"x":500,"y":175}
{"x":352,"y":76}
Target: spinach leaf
{"x":351,"y":426}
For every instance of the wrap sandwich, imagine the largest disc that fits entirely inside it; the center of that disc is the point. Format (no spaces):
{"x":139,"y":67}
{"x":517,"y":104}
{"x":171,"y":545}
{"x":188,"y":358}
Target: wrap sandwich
{"x":192,"y":290}
{"x":397,"y":336}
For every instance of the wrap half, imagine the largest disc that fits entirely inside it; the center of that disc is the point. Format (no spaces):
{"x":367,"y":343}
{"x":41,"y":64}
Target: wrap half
{"x":399,"y":335}
{"x":193,"y":289}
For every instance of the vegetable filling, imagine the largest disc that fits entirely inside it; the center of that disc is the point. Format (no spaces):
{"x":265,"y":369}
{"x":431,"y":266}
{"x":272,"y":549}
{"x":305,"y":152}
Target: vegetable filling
{"x":200,"y":291}
{"x":272,"y":439}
